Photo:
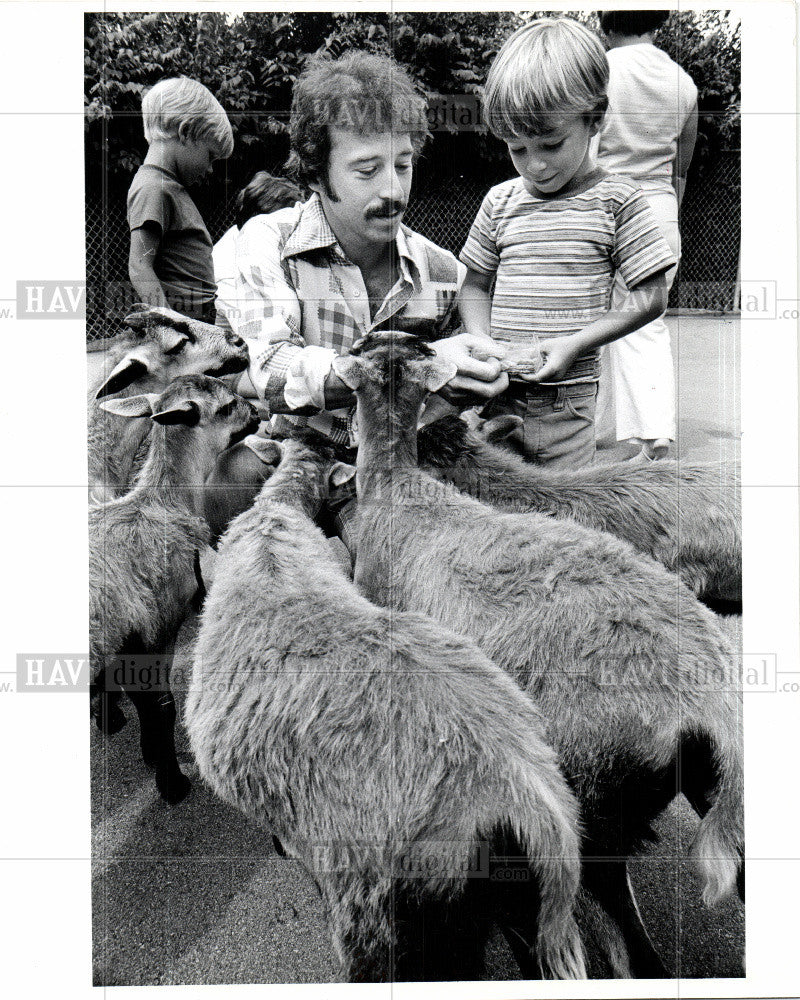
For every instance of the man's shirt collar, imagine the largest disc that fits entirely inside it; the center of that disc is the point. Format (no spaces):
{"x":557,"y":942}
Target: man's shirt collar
{"x":312,"y":231}
{"x":409,"y":267}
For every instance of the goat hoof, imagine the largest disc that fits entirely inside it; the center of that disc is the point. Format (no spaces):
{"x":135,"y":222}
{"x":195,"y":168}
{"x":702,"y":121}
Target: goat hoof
{"x":173,"y":788}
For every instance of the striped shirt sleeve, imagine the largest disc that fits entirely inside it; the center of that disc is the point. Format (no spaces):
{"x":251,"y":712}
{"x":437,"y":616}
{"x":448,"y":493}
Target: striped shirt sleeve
{"x":480,"y":251}
{"x":640,"y":251}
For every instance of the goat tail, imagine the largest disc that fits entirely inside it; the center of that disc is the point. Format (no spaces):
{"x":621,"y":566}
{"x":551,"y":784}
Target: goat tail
{"x":718,"y":847}
{"x":545,"y":824}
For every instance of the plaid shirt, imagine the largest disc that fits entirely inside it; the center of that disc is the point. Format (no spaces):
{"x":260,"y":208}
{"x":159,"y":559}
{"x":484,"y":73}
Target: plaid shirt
{"x":300,"y":302}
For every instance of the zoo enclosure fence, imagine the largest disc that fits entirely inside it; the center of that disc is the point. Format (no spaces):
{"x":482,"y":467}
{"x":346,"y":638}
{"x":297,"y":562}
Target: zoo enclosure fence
{"x":706,"y":279}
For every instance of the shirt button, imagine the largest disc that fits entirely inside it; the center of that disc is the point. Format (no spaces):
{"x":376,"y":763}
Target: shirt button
{"x":356,"y":293}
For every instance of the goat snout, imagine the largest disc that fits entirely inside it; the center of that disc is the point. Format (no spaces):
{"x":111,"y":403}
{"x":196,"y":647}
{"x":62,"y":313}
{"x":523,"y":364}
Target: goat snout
{"x":231,"y":366}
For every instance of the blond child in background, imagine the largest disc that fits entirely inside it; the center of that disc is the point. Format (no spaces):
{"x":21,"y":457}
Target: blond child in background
{"x":552,"y":240}
{"x":170,"y":261}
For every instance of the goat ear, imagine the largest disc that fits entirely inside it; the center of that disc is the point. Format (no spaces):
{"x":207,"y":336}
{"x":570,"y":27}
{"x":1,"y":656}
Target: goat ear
{"x":132,"y":406}
{"x":185,"y":412}
{"x":132,"y":366}
{"x":434,"y":409}
{"x":172,"y":340}
{"x":349,"y":370}
{"x":266,"y":449}
{"x":341,"y":473}
{"x":437,"y":373}
{"x":500,"y":427}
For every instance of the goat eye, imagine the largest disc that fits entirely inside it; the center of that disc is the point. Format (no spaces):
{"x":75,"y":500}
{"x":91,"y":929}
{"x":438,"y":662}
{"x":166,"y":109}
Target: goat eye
{"x":226,"y":410}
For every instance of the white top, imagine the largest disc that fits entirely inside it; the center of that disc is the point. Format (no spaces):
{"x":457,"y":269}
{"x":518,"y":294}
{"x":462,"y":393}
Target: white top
{"x":224,"y":254}
{"x":649,"y":100}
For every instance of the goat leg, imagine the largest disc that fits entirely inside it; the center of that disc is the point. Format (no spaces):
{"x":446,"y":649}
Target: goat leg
{"x":156,"y":711}
{"x":698,"y":800}
{"x":105,"y":708}
{"x":440,"y":941}
{"x":607,"y":954}
{"x":110,"y":717}
{"x":608,"y":881}
{"x":517,"y":908}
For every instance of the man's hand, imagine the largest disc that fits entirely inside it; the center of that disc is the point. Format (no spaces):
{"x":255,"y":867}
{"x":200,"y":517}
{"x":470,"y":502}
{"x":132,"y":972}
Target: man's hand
{"x":337,"y":394}
{"x":559,"y":355}
{"x":480,"y":375}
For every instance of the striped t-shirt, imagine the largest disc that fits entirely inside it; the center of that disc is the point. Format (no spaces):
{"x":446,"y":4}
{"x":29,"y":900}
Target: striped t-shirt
{"x":554,"y":259}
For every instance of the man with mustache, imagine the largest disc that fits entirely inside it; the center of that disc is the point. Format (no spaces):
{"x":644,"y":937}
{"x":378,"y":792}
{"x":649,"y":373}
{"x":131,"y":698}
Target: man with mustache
{"x":314,"y":278}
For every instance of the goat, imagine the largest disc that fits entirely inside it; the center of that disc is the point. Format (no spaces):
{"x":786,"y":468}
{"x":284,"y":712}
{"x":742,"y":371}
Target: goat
{"x":366,"y":739}
{"x":616,"y":651}
{"x":160,"y":346}
{"x":679,"y":513}
{"x":144,"y":557}
{"x":236,"y":480}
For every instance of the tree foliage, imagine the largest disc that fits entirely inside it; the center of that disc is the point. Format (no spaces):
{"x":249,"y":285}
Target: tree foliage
{"x":251,"y":61}
{"x":708,"y":47}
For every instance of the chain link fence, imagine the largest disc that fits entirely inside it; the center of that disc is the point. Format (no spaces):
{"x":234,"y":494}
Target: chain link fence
{"x":706,"y":279}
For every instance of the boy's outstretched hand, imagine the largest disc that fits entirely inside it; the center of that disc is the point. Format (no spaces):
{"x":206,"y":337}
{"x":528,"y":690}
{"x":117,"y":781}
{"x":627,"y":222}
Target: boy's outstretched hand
{"x":559,"y":355}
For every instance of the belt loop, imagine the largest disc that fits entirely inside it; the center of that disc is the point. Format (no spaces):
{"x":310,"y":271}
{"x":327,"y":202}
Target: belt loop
{"x":561,"y":396}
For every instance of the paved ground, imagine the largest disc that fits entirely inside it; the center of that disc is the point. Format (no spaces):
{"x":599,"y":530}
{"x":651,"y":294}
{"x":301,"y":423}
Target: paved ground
{"x":707,"y":358}
{"x":196,"y":894}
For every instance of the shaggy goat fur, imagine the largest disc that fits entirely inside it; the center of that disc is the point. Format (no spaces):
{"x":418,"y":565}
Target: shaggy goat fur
{"x":679,"y":513}
{"x":367,"y":740}
{"x":635,"y":678}
{"x":144,"y":551}
{"x":161,"y":345}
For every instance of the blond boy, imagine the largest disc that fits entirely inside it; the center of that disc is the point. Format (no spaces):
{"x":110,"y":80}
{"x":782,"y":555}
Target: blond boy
{"x":545,"y":247}
{"x":170,"y":261}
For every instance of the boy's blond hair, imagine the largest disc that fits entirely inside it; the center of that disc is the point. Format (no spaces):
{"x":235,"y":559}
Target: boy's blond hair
{"x":547,"y":69}
{"x":180,"y":108}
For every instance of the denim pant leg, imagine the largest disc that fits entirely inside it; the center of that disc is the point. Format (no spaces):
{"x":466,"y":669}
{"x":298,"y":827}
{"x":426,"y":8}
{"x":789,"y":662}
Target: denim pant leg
{"x":559,"y":426}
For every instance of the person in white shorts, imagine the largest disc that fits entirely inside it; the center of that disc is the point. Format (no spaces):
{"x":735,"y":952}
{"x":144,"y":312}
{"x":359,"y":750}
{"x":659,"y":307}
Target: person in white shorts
{"x":648,"y":134}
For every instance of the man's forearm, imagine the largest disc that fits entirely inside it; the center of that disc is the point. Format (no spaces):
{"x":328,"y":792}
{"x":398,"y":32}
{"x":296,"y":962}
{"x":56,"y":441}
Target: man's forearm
{"x":294,"y":379}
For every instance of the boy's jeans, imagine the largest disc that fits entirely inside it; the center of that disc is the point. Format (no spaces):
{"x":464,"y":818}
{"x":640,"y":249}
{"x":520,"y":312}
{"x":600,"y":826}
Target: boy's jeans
{"x":558,"y":422}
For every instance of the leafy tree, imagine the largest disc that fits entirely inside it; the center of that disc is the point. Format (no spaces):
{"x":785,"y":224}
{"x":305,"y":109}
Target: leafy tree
{"x":708,"y":47}
{"x":251,"y":62}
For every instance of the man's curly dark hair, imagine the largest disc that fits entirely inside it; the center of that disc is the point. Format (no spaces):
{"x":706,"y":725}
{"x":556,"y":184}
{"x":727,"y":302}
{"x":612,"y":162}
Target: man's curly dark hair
{"x":360,"y":93}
